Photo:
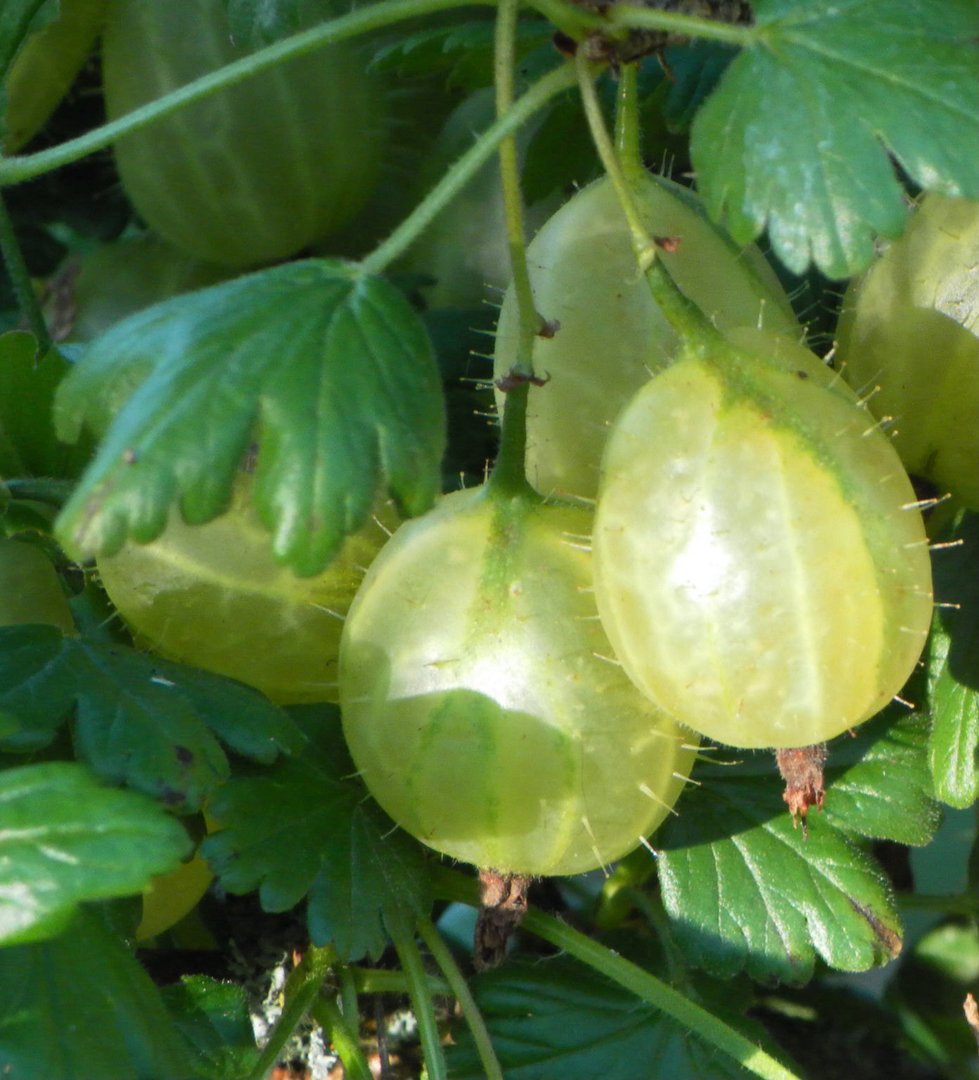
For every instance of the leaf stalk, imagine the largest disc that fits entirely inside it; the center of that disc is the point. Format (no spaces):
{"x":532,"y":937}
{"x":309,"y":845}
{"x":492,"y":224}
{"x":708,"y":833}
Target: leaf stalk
{"x":460,"y":990}
{"x":302,"y":988}
{"x":20,"y":277}
{"x":403,"y":939}
{"x":450,"y":885}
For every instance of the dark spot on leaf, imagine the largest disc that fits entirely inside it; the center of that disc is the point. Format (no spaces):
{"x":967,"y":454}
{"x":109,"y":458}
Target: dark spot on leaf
{"x":803,"y":374}
{"x":170,"y":796}
{"x":184,"y":756}
{"x":885,"y":935}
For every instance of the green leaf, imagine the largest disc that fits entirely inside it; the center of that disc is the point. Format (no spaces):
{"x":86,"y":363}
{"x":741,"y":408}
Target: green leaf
{"x":342,"y":397}
{"x":878,"y":783}
{"x":28,"y":446}
{"x":462,"y":53}
{"x":140,"y":720}
{"x":258,"y":22}
{"x":213,"y":1017}
{"x":748,"y":892}
{"x":66,"y":838}
{"x":80,"y":1007}
{"x":696,"y":69}
{"x":953,"y":670}
{"x":21,"y":17}
{"x":305,"y":826}
{"x":558,"y":1018}
{"x":928,"y":992}
{"x":797,"y":135}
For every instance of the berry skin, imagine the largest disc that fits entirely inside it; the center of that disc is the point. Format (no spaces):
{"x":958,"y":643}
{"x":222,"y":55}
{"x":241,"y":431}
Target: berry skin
{"x":480,"y":701}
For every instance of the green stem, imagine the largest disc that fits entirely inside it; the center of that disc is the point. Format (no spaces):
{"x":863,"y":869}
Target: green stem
{"x":641,"y":18}
{"x":509,"y":475}
{"x":302,"y":987}
{"x":504,"y":66}
{"x":509,"y":471}
{"x":959,"y":904}
{"x":685,"y":317}
{"x":20,"y":278}
{"x":348,"y":993}
{"x":460,"y":989}
{"x":687,"y":1014}
{"x":342,"y":1038}
{"x":466,"y":168}
{"x":450,"y":885}
{"x":384,"y":981}
{"x":13,"y":170}
{"x":627,"y":132}
{"x":642,"y":245}
{"x":406,"y":947}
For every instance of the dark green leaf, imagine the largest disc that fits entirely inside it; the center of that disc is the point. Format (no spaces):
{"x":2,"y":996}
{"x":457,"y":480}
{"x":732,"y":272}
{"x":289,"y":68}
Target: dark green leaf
{"x":953,"y":671}
{"x":28,"y":446}
{"x":696,"y":70}
{"x":878,"y":782}
{"x":557,"y":155}
{"x":257,"y":22}
{"x":461,"y":53}
{"x":827,"y":1023}
{"x":140,"y":720}
{"x":748,"y":892}
{"x":305,"y":826}
{"x":797,"y":135}
{"x":342,"y":397}
{"x":19,"y":18}
{"x":33,"y":696}
{"x":213,"y":1017}
{"x":66,"y":838}
{"x":557,"y":1018}
{"x":79,"y":1007}
{"x":928,"y":992}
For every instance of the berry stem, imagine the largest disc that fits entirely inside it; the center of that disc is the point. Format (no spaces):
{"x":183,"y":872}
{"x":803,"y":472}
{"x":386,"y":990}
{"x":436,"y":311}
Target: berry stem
{"x":685,"y":317}
{"x":503,"y":71}
{"x":509,"y":473}
{"x":627,"y":130}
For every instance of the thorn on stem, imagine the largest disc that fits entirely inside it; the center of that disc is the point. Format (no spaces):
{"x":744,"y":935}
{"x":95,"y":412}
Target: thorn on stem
{"x":514,"y":378}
